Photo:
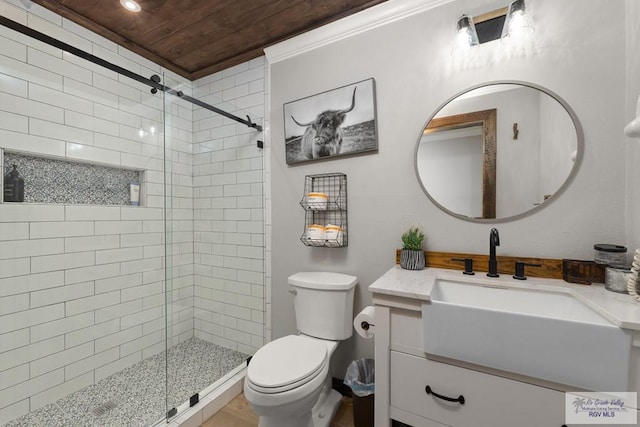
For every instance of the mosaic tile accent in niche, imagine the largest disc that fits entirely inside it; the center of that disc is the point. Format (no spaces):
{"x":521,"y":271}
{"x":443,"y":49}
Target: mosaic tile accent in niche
{"x":63,"y":182}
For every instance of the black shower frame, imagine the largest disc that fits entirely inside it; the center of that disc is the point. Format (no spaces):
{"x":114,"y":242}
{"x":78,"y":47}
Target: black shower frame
{"x":153,"y":81}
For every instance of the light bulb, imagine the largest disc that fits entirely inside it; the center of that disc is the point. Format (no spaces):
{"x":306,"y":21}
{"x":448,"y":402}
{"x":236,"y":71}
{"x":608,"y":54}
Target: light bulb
{"x":517,"y":24}
{"x":466,"y":35}
{"x":131,"y":5}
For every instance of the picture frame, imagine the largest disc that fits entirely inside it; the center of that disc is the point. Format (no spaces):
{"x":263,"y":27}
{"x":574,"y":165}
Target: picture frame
{"x":335,"y":123}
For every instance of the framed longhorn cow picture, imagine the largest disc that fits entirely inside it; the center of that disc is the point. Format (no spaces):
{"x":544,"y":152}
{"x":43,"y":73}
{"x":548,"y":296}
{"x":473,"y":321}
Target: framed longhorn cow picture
{"x":338,"y":122}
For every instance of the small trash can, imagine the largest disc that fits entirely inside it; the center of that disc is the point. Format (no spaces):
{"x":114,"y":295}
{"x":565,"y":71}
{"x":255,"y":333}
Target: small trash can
{"x":360,"y":378}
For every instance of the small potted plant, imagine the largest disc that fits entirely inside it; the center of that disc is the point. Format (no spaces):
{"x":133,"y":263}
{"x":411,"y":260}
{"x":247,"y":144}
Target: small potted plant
{"x":412,"y":255}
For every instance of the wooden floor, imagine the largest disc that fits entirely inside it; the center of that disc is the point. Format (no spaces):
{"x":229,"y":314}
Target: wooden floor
{"x":238,"y":413}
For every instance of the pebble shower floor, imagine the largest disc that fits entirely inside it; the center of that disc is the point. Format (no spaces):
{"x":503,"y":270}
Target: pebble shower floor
{"x":135,"y":396}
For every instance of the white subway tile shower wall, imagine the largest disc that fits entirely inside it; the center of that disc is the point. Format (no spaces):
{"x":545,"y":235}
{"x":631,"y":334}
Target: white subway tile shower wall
{"x":228,"y":177}
{"x":82,"y":287}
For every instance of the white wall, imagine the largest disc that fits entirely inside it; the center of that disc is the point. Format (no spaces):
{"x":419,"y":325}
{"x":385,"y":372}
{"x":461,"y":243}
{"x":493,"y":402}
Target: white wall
{"x":414,"y":72}
{"x":82,"y":287}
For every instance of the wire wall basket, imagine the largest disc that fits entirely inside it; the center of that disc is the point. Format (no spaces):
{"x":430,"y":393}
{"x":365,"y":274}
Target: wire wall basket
{"x":325,"y":205}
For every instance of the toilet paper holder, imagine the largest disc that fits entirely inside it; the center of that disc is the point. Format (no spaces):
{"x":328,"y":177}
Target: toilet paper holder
{"x":363,"y":322}
{"x":366,"y":325}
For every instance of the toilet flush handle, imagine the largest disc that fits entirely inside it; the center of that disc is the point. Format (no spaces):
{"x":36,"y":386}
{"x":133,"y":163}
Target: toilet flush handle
{"x":293,"y":291}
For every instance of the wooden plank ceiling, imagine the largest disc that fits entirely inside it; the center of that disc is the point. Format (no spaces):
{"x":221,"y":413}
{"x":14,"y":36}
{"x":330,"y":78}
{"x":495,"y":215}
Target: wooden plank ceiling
{"x":195,"y":38}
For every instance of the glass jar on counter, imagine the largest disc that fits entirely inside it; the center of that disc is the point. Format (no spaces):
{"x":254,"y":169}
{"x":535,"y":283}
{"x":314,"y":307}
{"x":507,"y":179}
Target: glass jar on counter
{"x":616,"y":278}
{"x":610,"y":254}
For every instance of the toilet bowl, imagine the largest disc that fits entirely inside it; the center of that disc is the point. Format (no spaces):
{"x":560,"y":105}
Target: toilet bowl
{"x":287,"y":381}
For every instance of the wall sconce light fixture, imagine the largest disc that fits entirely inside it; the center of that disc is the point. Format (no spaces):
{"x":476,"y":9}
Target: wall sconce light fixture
{"x":508,"y":23}
{"x":466,"y":35}
{"x":517,"y":24}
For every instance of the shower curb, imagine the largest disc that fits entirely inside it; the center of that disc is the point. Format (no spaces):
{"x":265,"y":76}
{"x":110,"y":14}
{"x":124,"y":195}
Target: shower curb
{"x":215,"y":397}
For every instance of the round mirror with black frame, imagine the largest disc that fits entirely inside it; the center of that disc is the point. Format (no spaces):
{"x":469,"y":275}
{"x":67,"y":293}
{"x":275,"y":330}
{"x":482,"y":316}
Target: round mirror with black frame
{"x":499,"y":151}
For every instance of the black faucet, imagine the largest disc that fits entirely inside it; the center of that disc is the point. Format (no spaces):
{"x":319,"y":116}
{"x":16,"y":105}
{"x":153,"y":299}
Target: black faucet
{"x":494,"y":240}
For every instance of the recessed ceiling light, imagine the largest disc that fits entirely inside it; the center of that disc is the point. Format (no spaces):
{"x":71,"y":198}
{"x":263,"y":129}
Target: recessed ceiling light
{"x":131,"y":5}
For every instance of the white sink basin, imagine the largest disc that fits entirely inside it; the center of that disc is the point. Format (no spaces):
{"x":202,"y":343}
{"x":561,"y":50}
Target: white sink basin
{"x":540,"y":334}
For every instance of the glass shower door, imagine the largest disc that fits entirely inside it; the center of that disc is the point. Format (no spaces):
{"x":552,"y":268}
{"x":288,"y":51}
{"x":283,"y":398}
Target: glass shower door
{"x":182,"y":355}
{"x":214,"y":240}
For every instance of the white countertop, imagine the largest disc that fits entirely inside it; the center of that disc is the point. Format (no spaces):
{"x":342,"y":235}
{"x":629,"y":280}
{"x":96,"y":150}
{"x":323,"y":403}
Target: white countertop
{"x":620,"y":309}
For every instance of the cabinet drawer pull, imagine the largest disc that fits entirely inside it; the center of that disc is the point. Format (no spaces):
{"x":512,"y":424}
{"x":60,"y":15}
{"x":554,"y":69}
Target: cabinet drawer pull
{"x":459,"y":399}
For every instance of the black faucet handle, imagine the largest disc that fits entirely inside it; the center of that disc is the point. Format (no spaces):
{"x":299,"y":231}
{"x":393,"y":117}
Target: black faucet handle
{"x":468,"y":265}
{"x":495,"y":236}
{"x":519,"y":269}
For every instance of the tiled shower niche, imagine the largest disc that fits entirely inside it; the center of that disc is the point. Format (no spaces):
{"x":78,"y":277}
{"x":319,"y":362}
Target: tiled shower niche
{"x":49,"y":180}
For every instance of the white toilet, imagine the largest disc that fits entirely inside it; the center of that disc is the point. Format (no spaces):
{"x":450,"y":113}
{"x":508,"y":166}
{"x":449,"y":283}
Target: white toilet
{"x":288,"y":382}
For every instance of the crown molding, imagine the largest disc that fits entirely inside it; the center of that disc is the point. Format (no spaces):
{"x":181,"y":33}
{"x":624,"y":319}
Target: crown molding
{"x":368,"y":19}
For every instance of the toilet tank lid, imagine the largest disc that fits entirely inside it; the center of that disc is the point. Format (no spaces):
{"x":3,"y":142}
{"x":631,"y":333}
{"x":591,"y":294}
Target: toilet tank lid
{"x":323,"y":280}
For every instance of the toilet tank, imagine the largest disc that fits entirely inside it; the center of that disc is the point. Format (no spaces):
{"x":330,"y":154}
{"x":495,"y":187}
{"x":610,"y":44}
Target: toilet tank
{"x":323,"y":302}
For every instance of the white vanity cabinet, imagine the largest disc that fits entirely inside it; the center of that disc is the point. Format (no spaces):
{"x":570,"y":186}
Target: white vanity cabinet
{"x":488,"y":400}
{"x":491,"y":398}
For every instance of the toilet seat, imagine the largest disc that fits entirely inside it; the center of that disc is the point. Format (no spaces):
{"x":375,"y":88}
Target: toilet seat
{"x":286,"y":363}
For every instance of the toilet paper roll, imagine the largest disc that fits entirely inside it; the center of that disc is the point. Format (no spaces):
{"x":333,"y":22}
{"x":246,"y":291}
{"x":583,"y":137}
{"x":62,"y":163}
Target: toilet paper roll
{"x":364,"y":323}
